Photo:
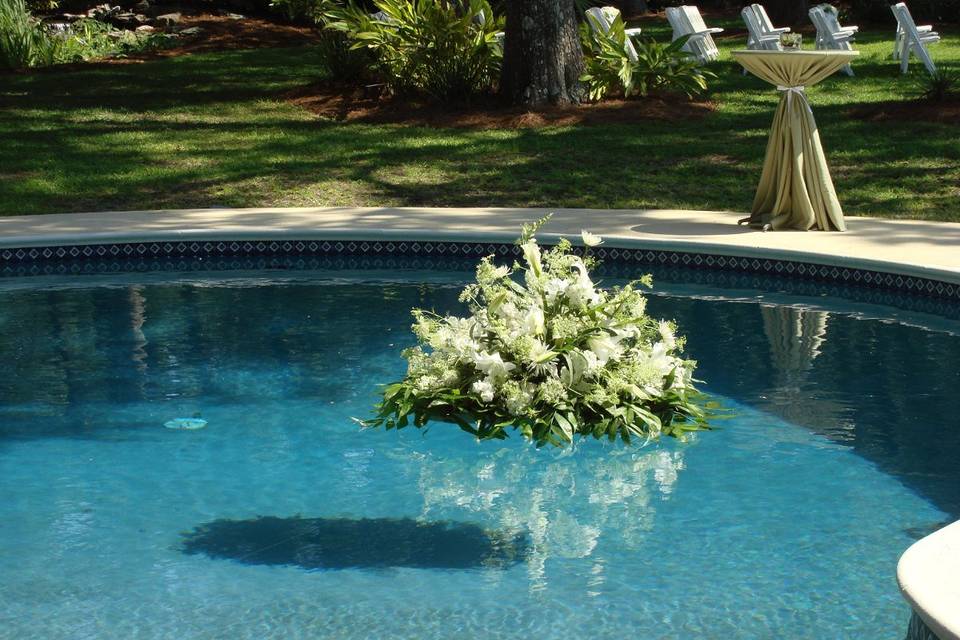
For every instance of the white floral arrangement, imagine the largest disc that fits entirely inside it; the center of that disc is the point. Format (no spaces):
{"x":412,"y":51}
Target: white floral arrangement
{"x":546,"y":352}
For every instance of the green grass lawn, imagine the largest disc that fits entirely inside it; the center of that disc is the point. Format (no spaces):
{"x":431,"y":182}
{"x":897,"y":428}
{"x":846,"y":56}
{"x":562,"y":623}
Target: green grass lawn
{"x":213,"y":130}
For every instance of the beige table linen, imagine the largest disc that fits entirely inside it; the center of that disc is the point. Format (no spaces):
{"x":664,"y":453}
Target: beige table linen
{"x":795,"y":191}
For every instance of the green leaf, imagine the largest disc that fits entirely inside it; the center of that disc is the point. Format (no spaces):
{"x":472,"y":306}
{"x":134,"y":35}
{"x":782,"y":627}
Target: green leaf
{"x":565,"y":426}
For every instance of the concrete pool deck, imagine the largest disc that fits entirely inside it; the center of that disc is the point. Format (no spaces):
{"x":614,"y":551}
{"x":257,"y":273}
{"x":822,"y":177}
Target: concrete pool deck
{"x":929,"y":577}
{"x":904,"y":247}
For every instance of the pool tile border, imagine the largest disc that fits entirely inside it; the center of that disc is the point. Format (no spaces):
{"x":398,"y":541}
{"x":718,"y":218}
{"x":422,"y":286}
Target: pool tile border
{"x":65,"y":258}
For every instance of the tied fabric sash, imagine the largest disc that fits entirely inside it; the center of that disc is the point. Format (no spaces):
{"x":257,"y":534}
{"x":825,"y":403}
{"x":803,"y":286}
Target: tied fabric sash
{"x":795,"y":91}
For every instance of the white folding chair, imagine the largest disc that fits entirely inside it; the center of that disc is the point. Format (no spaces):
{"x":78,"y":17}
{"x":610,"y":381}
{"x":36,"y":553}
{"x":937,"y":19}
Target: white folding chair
{"x":833,"y":20}
{"x":912,"y":39}
{"x":602,"y":18}
{"x":687,"y":21}
{"x":898,"y":39}
{"x":765,"y":23}
{"x":828,"y":37}
{"x":758,"y":35}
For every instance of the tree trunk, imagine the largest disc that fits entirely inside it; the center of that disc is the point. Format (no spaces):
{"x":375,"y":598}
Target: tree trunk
{"x":631,"y":8}
{"x":788,"y":12}
{"x":542,"y":57}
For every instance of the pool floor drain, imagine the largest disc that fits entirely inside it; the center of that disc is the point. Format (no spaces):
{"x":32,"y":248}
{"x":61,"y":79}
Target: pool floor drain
{"x":185,"y":424}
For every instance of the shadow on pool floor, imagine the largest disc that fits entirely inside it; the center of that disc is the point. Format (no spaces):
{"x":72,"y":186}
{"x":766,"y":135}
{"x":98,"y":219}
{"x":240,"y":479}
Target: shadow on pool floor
{"x":368,"y":543}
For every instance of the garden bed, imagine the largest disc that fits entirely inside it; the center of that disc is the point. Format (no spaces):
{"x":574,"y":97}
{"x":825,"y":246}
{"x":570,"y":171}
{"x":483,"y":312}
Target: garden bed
{"x":945,"y":111}
{"x":367,"y":105}
{"x":219,"y":33}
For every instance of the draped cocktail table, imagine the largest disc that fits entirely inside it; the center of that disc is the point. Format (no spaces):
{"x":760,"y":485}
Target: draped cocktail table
{"x":795,"y":190}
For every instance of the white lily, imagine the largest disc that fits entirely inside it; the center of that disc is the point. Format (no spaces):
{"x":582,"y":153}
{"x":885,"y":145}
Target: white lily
{"x":666,"y":334}
{"x":554,"y":288}
{"x":593,"y":362}
{"x":533,"y":321}
{"x":582,"y":292}
{"x":590,"y":239}
{"x":659,"y":358}
{"x":531,"y":253}
{"x":484,"y":389}
{"x":492,"y":365}
{"x":605,"y":348}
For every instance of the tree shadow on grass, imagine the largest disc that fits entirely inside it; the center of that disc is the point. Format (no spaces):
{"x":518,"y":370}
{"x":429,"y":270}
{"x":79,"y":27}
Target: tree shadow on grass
{"x":186,"y":81}
{"x":212,"y":130}
{"x":367,"y":543}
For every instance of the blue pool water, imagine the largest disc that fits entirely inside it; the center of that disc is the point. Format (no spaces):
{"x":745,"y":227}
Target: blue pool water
{"x":281,"y":519}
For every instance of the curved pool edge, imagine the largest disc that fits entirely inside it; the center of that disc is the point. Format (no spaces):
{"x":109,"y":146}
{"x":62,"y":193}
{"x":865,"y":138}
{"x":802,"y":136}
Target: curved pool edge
{"x":929,"y":577}
{"x":913,"y":256}
{"x":920,"y":257}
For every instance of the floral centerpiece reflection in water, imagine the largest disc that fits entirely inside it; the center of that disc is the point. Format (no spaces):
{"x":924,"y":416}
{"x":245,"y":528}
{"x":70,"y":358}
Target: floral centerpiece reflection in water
{"x":545,"y":352}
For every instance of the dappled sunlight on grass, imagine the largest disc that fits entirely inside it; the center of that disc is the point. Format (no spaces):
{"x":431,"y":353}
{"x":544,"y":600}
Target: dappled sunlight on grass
{"x":215,"y":130}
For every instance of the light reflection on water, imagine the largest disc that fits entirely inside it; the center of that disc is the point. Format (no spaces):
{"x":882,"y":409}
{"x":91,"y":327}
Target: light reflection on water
{"x":841,"y":453}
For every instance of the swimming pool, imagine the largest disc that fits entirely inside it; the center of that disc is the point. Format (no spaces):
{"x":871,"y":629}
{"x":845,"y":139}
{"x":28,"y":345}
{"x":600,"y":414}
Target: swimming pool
{"x":281,"y":519}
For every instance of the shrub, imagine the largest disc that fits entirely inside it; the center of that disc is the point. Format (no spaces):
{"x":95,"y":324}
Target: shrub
{"x":342,"y":62}
{"x":299,"y":9}
{"x":90,"y":39}
{"x":26,"y":42}
{"x":43,"y":5}
{"x":611,"y":69}
{"x":939,"y":87}
{"x":439,"y":48}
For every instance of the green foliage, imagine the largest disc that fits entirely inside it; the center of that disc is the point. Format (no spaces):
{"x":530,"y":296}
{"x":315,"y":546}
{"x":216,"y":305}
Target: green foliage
{"x":611,"y":68}
{"x":91,"y":39}
{"x":529,"y":229}
{"x":341,"y":60}
{"x":23,"y":41}
{"x":439,"y":48}
{"x":552,"y":358}
{"x":42,"y":5}
{"x":940,"y":86}
{"x":311,"y":10}
{"x":26,"y":42}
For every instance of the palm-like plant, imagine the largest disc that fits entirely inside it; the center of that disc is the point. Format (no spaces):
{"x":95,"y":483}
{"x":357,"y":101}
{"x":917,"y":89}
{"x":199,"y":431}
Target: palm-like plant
{"x":445,"y":49}
{"x":23,"y":40}
{"x":939,"y":87}
{"x":611,"y":66}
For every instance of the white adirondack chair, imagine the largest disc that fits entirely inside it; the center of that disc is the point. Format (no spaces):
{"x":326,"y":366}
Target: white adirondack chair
{"x":687,"y":21}
{"x":765,"y":23}
{"x":602,"y":18}
{"x":912,"y":39}
{"x":761,"y":35}
{"x":829,"y":33}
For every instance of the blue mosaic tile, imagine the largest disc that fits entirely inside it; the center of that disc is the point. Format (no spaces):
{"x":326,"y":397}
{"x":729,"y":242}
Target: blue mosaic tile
{"x":186,"y":255}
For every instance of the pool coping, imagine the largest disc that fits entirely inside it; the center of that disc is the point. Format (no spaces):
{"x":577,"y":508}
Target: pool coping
{"x":917,"y":249}
{"x":927,"y":575}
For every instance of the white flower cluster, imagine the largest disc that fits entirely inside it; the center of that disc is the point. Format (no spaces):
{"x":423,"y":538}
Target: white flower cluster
{"x":547,"y":351}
